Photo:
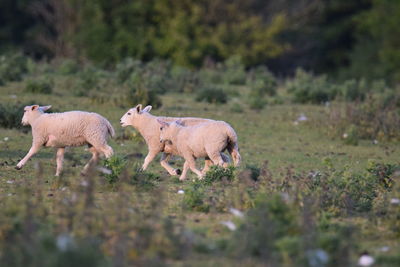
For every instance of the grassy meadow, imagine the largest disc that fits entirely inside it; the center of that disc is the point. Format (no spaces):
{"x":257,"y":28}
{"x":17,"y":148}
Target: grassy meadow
{"x":317,"y":185}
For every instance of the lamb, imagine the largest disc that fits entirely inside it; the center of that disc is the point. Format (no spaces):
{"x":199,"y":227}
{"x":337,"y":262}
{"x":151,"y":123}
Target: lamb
{"x":149,"y":128}
{"x":207,"y":139}
{"x":60,"y":130}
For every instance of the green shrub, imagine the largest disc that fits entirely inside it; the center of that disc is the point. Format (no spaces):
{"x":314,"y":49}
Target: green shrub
{"x":257,"y":103}
{"x":11,"y":115}
{"x":212,"y":95}
{"x":217,"y":173}
{"x":350,"y":137}
{"x":139,"y":93}
{"x":195,"y":198}
{"x":233,"y":71}
{"x":144,"y":180}
{"x":262,"y":81}
{"x":378,"y":117}
{"x":39,"y":86}
{"x":306,"y":88}
{"x":12,"y":67}
{"x":116,"y":165}
{"x":68,"y":66}
{"x":126,"y":67}
{"x":184,"y":79}
{"x":237,"y":108}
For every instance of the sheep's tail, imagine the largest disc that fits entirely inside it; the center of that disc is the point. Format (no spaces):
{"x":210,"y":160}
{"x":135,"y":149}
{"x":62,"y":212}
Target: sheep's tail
{"x":233,"y":147}
{"x":110,"y":129}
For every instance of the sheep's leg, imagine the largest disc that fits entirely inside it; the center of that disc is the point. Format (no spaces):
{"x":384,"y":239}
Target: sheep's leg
{"x":106,"y":150}
{"x":207,"y":164}
{"x":216,"y":158}
{"x":149,"y":158}
{"x":164,"y":162}
{"x":32,"y":151}
{"x":59,"y":160}
{"x":184,"y":171}
{"x":92,"y":161}
{"x":192,"y":165}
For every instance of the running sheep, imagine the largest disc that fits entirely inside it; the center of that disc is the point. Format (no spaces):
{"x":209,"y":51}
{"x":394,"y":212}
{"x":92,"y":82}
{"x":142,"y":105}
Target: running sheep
{"x":149,"y":128}
{"x":208,"y":139}
{"x":60,"y":130}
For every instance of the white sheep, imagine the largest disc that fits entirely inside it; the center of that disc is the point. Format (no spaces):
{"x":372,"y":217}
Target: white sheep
{"x":207,"y":139}
{"x":60,"y":130}
{"x":149,"y":128}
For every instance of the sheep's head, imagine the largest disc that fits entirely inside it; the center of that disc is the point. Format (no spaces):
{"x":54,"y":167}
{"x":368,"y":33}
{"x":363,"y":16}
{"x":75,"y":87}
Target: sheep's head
{"x":168,"y":130}
{"x":133,"y":115}
{"x":31,"y":113}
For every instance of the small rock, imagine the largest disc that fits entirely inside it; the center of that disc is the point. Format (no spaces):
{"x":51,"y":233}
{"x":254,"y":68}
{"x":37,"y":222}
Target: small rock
{"x":231,"y":226}
{"x":395,"y":201}
{"x":181,"y":192}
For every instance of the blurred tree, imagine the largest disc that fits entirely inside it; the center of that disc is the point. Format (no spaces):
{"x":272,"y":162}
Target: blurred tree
{"x":377,"y":53}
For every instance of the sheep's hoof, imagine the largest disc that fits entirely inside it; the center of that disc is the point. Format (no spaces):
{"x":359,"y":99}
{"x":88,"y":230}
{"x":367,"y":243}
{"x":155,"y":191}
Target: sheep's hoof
{"x":18,"y":168}
{"x":178,"y":171}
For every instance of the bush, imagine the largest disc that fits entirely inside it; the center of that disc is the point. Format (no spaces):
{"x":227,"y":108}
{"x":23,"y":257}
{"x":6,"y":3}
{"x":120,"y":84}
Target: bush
{"x":39,"y":86}
{"x":126,"y":67}
{"x":139,"y":93}
{"x":12,"y":67}
{"x":262,"y":81}
{"x":257,"y":103}
{"x":217,"y":173}
{"x":377,"y":118}
{"x":233,"y":71}
{"x":143,"y":179}
{"x":212,"y":95}
{"x":194,"y":198}
{"x":307,"y":88}
{"x":115,"y":165}
{"x":68,"y":66}
{"x":11,"y":115}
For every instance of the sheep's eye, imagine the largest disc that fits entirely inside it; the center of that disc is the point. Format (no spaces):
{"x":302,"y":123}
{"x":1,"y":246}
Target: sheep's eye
{"x":161,"y":128}
{"x":129,"y":113}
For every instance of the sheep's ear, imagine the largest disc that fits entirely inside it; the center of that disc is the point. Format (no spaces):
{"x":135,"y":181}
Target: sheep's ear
{"x":147,"y":109}
{"x":163,"y":123}
{"x":44,"y":108}
{"x":138,"y":108}
{"x":34,"y":107}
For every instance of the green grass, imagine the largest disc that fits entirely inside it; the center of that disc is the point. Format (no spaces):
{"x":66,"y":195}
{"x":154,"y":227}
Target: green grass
{"x":267,"y":135}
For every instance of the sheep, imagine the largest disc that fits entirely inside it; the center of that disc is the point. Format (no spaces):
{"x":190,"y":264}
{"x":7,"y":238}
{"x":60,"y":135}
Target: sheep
{"x":60,"y":130}
{"x":207,"y":139}
{"x":149,"y":128}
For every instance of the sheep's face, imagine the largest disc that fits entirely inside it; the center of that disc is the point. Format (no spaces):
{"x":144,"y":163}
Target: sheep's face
{"x":168,"y":130}
{"x":31,"y":113}
{"x":133,"y":115}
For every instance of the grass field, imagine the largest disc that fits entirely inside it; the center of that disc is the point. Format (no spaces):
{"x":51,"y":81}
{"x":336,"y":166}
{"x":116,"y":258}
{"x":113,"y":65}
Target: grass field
{"x":291,"y":219}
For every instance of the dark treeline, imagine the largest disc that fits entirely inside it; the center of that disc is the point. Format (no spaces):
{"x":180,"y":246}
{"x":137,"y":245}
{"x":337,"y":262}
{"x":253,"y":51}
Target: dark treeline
{"x":346,"y":38}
